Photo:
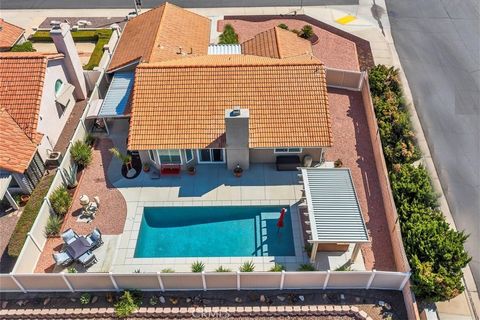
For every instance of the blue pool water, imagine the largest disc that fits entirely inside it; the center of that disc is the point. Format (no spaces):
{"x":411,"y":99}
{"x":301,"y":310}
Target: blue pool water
{"x":228,"y":231}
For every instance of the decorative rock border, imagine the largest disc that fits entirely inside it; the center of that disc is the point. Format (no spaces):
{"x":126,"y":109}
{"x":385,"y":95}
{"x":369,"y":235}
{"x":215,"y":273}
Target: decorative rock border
{"x":198,"y":312}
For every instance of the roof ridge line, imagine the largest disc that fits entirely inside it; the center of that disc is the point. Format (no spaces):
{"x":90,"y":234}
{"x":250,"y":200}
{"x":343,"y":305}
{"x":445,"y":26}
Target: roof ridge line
{"x":158,"y":30}
{"x":276,"y":42}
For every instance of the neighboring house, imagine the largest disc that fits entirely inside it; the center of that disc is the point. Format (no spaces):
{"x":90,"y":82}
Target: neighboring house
{"x":10,"y":35}
{"x":195,"y":103}
{"x":36,"y":99}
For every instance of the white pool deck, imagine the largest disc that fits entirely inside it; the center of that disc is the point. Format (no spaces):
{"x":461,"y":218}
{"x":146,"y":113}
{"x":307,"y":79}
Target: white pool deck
{"x":212,"y":185}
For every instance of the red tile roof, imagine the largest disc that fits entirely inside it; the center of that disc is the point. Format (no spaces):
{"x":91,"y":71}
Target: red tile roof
{"x":276,"y":43}
{"x":158,"y":34}
{"x":22,"y":78}
{"x":9,"y":34}
{"x":181,"y":103}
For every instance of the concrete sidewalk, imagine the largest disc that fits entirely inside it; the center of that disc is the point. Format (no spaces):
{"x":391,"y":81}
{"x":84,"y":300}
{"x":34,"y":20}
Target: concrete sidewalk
{"x":368,"y":20}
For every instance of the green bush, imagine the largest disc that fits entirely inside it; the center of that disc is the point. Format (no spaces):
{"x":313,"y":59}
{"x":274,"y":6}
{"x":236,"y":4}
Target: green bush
{"x":306,"y":32}
{"x":222,"y":269}
{"x":127,"y":304}
{"x":228,"y":36}
{"x":53,"y":226}
{"x":60,"y":200}
{"x":101,"y":37}
{"x":24,"y":47}
{"x":247,"y":266}
{"x":28,"y":217}
{"x":277,"y":268}
{"x":85,"y":298}
{"x":198,"y":266}
{"x":306,"y":267}
{"x":168,"y":270}
{"x":435,"y":251}
{"x":283,"y":26}
{"x":81,"y":153}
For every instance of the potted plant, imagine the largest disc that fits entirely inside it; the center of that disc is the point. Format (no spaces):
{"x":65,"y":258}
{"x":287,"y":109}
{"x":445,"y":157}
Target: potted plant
{"x":237,"y":171}
{"x":146,"y":167}
{"x":338,"y":163}
{"x":126,"y":160}
{"x":191,"y":170}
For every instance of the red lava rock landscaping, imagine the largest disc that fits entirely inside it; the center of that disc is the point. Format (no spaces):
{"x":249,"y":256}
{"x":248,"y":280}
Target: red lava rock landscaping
{"x":110,"y":218}
{"x":334,"y":51}
{"x":352,"y":144}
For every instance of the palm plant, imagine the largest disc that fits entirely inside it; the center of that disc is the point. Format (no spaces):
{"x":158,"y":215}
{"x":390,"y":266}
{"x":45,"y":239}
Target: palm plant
{"x":247,"y":266}
{"x":307,"y":32}
{"x":126,"y":159}
{"x":198,"y":266}
{"x":60,"y":200}
{"x":81,"y":153}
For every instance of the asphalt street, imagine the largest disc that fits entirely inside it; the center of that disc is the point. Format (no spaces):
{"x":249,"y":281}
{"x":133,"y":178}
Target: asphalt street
{"x":438,"y":45}
{"x":120,"y":4}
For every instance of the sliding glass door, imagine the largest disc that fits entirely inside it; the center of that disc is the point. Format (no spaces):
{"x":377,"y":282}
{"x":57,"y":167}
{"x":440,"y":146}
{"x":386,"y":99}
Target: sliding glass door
{"x":211,"y":155}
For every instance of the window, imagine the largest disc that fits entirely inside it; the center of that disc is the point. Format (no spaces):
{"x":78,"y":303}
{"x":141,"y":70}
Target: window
{"x":288,"y":150}
{"x":211,"y":155}
{"x":151,"y":155}
{"x":58,"y":86}
{"x":189,"y":155}
{"x":169,"y":156}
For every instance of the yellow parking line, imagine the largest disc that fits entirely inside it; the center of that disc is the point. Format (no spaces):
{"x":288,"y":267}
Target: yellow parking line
{"x":346,"y":19}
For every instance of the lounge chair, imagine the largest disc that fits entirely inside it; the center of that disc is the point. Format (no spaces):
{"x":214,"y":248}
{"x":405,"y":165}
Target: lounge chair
{"x":88,"y":259}
{"x":62,"y":259}
{"x":95,"y":238}
{"x":69,"y":236}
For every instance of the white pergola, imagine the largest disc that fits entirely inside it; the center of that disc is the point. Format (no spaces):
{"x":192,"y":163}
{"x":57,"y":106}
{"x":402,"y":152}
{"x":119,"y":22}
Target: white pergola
{"x":334,"y":214}
{"x":5,"y":179}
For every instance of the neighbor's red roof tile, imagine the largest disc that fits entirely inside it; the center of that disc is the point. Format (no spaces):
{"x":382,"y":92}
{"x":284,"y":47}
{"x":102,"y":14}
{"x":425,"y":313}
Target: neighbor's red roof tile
{"x":9,"y":34}
{"x":181,"y":103}
{"x":158,"y":34}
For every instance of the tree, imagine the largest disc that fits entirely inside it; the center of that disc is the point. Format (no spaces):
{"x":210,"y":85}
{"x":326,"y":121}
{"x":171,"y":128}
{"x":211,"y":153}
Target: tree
{"x":24,"y":47}
{"x":228,"y":35}
{"x":306,"y":32}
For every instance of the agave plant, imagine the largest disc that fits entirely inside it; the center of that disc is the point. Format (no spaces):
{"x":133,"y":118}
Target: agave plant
{"x":198,"y":266}
{"x":222,"y":269}
{"x":71,"y":176}
{"x":247,"y":266}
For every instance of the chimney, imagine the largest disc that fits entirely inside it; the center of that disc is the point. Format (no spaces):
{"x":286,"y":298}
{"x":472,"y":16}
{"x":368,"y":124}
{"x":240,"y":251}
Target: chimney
{"x":237,"y":132}
{"x":64,"y":43}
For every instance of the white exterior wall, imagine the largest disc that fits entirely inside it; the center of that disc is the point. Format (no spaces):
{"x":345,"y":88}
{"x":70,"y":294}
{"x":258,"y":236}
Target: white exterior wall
{"x":50,"y":123}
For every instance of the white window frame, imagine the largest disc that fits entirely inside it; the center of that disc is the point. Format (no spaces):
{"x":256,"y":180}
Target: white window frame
{"x":151,"y":156}
{"x":211,"y":156}
{"x":179,"y":154}
{"x":186,"y":157}
{"x":288,"y":150}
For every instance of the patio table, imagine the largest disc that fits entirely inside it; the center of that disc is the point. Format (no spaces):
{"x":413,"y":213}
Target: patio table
{"x":78,"y":247}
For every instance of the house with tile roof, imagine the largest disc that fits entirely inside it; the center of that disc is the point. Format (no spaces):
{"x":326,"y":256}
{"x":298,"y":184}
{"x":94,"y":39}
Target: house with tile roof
{"x":10,"y":35}
{"x":37,"y":96}
{"x":192,"y":103}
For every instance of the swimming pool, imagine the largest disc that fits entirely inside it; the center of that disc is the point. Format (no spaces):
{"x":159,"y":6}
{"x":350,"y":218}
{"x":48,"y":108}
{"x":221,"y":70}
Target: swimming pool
{"x":226,"y":231}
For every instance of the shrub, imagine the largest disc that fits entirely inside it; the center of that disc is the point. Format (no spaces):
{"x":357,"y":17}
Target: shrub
{"x":306,"y":267}
{"x":306,"y":32}
{"x":168,"y":270}
{"x":283,"y":26}
{"x":28,"y":217}
{"x":277,"y":268}
{"x":198,"y":266}
{"x":89,"y":139}
{"x":81,"y":153}
{"x":27,"y":46}
{"x":126,"y":305}
{"x":85,"y":298}
{"x":247,"y":266}
{"x":53,"y":226}
{"x":222,"y":269}
{"x":346,"y":267}
{"x":70,"y":175}
{"x":71,"y":270}
{"x":60,"y":200}
{"x":228,"y":35}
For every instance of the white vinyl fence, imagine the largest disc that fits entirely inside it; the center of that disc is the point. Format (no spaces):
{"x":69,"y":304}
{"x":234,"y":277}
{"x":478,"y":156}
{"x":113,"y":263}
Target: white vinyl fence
{"x":344,"y":79}
{"x":36,"y":238}
{"x":74,"y":282}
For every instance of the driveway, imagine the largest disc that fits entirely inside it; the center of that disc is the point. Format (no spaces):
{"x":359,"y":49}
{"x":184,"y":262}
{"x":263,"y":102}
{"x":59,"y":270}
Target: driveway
{"x":438,"y":45}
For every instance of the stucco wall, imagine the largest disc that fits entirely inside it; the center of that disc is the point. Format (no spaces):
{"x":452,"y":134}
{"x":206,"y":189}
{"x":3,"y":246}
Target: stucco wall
{"x":51,"y":122}
{"x":268,"y":155}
